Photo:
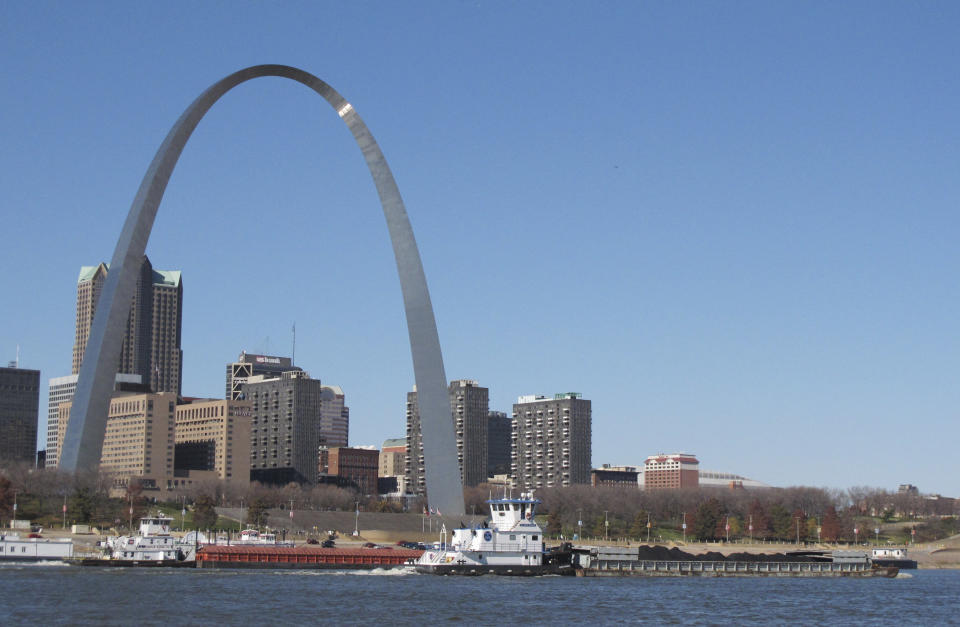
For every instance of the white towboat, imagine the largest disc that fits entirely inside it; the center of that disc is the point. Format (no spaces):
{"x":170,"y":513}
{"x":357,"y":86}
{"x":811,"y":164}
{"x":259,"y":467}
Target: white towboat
{"x":153,"y":544}
{"x":14,"y":548}
{"x":510,"y":544}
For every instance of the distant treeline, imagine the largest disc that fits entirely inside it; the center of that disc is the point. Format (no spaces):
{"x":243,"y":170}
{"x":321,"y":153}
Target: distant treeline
{"x":616,"y":512}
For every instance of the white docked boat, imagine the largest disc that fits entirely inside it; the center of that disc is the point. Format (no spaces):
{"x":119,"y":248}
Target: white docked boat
{"x":254,"y":537}
{"x":511,"y":543}
{"x":14,"y":548}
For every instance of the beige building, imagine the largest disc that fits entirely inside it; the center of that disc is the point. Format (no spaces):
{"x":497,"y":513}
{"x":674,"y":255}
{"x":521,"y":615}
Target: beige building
{"x":212,"y":435}
{"x":139,"y":439}
{"x":392,"y":457}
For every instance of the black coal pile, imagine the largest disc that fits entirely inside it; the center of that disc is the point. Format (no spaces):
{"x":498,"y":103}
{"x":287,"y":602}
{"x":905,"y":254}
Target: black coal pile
{"x":663,"y":554}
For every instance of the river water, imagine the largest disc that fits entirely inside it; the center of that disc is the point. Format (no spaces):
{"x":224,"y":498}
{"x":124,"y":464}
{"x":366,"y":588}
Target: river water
{"x":61,"y":594}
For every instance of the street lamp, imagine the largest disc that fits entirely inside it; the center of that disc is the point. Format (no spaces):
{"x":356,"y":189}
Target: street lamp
{"x":798,"y":530}
{"x":648,"y":528}
{"x":684,"y":526}
{"x":356,"y":521}
{"x":606,"y":526}
{"x":580,"y":524}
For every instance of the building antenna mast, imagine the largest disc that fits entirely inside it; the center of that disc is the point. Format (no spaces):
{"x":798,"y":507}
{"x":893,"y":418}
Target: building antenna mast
{"x":293,"y":352}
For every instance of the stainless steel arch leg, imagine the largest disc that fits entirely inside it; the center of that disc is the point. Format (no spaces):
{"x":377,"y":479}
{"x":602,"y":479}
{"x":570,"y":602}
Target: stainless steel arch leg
{"x":83,"y":440}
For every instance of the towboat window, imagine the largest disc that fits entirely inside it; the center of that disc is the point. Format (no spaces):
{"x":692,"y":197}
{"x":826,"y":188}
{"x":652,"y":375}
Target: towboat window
{"x":534,"y":538}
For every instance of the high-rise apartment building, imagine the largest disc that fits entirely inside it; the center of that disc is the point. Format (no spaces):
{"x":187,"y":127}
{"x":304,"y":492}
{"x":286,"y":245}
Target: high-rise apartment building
{"x":151,"y":346}
{"x":250,"y":365}
{"x":469,"y":405}
{"x":499,"y":443}
{"x":551,"y":441}
{"x":19,"y":404}
{"x":334,"y":417}
{"x":213,"y":435}
{"x":669,"y":472}
{"x":284,"y":427}
{"x":138,"y":441}
{"x":61,"y":390}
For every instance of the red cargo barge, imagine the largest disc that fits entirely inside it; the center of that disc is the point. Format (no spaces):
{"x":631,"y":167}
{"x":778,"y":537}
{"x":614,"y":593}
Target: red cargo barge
{"x":303,"y":557}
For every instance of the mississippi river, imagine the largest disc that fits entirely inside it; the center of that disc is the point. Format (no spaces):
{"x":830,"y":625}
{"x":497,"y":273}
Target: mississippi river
{"x":70,"y":595}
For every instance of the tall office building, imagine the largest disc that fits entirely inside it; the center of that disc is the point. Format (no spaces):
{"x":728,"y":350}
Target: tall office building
{"x":499,"y":443}
{"x":61,"y":390}
{"x":334,"y":417}
{"x":469,"y":404}
{"x":250,"y":365}
{"x":138,"y":441}
{"x":284,"y":427}
{"x":551,"y":441}
{"x":213,"y":435}
{"x":19,"y":404}
{"x":151,"y":346}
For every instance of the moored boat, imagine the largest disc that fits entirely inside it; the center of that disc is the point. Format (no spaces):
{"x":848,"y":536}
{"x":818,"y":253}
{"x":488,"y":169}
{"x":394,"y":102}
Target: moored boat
{"x":14,"y":548}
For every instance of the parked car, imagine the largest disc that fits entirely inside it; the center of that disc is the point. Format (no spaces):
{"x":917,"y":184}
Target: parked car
{"x":327,"y":544}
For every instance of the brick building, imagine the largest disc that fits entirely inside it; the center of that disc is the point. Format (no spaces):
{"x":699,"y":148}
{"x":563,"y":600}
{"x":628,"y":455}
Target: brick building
{"x":354,"y":466}
{"x":670,"y":472}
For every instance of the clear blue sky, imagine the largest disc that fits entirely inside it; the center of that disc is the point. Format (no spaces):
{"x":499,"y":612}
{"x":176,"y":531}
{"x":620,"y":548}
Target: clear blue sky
{"x":732,"y":225}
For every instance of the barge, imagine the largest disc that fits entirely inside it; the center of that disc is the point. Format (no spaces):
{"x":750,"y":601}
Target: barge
{"x":304,"y":557}
{"x":628,"y":562}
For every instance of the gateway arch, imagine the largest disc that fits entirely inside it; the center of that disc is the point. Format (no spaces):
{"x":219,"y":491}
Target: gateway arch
{"x":83,"y":440}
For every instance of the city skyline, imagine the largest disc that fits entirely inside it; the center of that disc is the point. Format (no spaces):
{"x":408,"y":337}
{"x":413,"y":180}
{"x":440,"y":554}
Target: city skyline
{"x":731,"y":229}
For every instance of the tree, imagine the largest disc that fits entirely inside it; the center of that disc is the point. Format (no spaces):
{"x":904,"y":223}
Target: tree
{"x":706,"y":520}
{"x":83,"y":504}
{"x":257,"y":512}
{"x":759,"y":519}
{"x":781,"y":522}
{"x":639,"y":527}
{"x":6,"y":497}
{"x":830,"y":528}
{"x":204,"y":512}
{"x":553,"y":524}
{"x":736,"y":527}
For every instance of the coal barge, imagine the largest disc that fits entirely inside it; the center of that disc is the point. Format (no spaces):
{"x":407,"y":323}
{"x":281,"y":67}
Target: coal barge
{"x":613,"y":561}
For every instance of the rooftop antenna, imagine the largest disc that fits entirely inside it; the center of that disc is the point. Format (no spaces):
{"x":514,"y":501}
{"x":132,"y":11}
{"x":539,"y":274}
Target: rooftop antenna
{"x":18,"y":356}
{"x":293,"y":352}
